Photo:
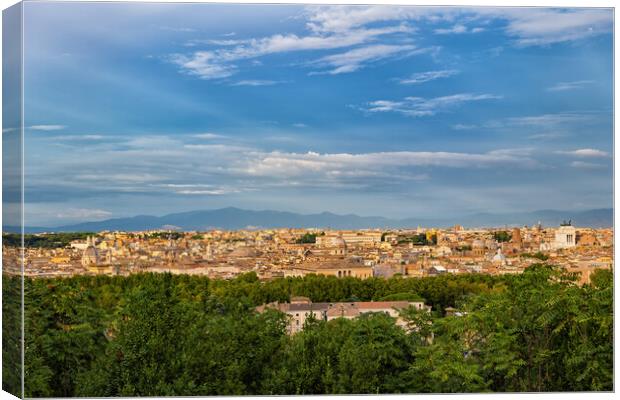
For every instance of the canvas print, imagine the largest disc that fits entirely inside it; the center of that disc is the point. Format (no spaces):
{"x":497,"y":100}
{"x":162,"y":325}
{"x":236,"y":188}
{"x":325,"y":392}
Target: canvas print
{"x":207,"y":199}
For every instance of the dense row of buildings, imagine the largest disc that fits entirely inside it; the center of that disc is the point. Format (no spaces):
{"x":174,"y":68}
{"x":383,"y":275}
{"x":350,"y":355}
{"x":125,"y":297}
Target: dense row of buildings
{"x":287,"y":252}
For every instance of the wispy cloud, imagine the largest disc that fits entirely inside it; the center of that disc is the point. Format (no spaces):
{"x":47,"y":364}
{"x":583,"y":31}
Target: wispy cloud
{"x":547,"y":135}
{"x":463,"y":127}
{"x":219,"y":63}
{"x":79,"y":137}
{"x":427,"y":76}
{"x":215,"y":192}
{"x":545,"y":26}
{"x":256,"y":82}
{"x":177,"y":29}
{"x":203,"y":64}
{"x":208,"y":136}
{"x":458,"y":29}
{"x":341,"y":27}
{"x":353,"y":60}
{"x":530,"y":26}
{"x":300,"y":125}
{"x":335,"y":165}
{"x":325,"y":34}
{"x":83,"y":213}
{"x":545,"y":120}
{"x":585,"y":153}
{"x":46,"y":127}
{"x":585,"y":165}
{"x":563,"y":86}
{"x":229,"y":169}
{"x":420,"y":107}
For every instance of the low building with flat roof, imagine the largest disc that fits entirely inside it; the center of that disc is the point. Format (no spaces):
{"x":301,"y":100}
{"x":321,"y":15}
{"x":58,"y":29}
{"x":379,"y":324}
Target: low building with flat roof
{"x":301,"y":309}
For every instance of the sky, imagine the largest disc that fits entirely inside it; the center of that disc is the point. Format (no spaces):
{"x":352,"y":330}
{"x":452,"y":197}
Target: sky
{"x":395,"y":111}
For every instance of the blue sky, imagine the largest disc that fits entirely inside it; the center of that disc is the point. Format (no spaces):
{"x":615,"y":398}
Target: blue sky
{"x":394,"y":111}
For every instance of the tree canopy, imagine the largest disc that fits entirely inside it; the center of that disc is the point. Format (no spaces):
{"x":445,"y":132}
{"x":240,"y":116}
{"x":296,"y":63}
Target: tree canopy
{"x":162,"y":334}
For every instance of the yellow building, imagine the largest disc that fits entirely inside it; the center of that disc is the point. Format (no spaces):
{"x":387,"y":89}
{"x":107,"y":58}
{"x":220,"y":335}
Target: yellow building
{"x":338,"y":269}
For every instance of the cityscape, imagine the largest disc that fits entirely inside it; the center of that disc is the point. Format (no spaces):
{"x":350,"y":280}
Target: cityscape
{"x":219,"y":199}
{"x":281,"y":253}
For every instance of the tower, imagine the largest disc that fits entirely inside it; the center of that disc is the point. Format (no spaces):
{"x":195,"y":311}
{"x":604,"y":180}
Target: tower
{"x":516,"y":238}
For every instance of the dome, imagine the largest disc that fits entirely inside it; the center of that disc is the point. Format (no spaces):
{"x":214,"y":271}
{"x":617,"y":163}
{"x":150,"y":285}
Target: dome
{"x":90,"y":255}
{"x":499,"y":257}
{"x":478,"y":244}
{"x":243,"y":252}
{"x":338,"y":242}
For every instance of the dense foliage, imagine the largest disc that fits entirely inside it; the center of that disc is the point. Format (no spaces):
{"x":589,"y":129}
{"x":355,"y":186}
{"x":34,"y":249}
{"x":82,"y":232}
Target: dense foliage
{"x":162,"y":334}
{"x":174,"y":235}
{"x":502,"y":236}
{"x":538,"y":255}
{"x":419,"y":239}
{"x":307,"y":238}
{"x":47,"y":240}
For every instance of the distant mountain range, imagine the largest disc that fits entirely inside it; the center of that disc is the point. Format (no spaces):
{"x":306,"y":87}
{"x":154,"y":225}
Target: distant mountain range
{"x":234,"y":218}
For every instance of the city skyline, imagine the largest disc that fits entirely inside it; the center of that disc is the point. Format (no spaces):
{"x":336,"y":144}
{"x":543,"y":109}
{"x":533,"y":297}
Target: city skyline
{"x":372,"y":110}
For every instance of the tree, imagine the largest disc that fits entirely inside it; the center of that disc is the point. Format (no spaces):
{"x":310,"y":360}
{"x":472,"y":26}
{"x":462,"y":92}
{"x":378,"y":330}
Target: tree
{"x":502,"y":236}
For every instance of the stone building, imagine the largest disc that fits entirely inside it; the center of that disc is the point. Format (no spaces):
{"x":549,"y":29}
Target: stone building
{"x":301,"y":309}
{"x":565,"y":236}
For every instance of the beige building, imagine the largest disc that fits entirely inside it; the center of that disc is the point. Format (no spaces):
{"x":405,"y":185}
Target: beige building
{"x":301,"y":309}
{"x":338,"y":269}
{"x":565,"y":237}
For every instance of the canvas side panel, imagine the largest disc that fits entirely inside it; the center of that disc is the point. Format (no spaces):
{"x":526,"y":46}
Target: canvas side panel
{"x":12,"y":204}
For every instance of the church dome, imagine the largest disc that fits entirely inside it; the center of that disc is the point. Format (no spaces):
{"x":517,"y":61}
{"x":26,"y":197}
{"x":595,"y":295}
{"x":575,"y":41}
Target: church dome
{"x":90,"y":255}
{"x":338,"y":242}
{"x":243,"y":252}
{"x":478,"y":244}
{"x":499,"y":257}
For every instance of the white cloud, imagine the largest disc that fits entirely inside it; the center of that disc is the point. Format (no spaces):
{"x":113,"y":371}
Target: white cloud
{"x":208,"y":136}
{"x":529,"y":25}
{"x":219,"y":63}
{"x":78,"y":137}
{"x":335,"y":19}
{"x":46,"y":127}
{"x":333,"y":27}
{"x":585,"y":165}
{"x":300,"y":125}
{"x":585,"y":153}
{"x":419,"y":107}
{"x":458,"y":29}
{"x":83,"y":213}
{"x":463,"y":127}
{"x":353,"y":60}
{"x":256,"y":82}
{"x":203,"y":64}
{"x":280,"y":164}
{"x":546,"y":135}
{"x":544,"y":120}
{"x":545,"y":26}
{"x":427,"y":76}
{"x":177,"y":29}
{"x":215,"y":64}
{"x":216,"y":192}
{"x":217,"y":42}
{"x":563,"y":86}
